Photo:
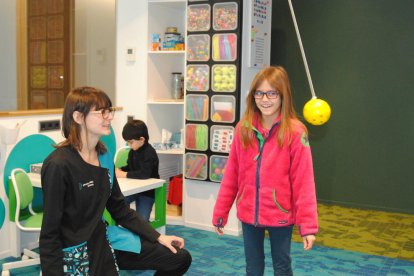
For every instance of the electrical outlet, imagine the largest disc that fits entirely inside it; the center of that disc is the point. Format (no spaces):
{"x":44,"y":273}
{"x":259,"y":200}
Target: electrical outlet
{"x":49,"y":125}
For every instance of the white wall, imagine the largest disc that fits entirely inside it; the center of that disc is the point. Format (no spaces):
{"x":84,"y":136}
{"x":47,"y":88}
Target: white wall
{"x":8,"y":55}
{"x":95,"y":44}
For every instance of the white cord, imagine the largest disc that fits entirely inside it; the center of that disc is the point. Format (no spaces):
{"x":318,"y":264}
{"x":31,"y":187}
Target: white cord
{"x":301,"y":50}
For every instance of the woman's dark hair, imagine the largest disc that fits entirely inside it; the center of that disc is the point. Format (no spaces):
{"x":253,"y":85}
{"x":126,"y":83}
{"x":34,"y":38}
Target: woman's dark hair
{"x":81,"y":99}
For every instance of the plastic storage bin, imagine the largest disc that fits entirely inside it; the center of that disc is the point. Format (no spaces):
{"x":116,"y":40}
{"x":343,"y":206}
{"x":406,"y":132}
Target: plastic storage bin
{"x":198,"y":77}
{"x":217,"y":167}
{"x":196,"y":137}
{"x":224,"y":47}
{"x":198,"y":47}
{"x":221,"y":138}
{"x":197,"y":107}
{"x":196,"y":166}
{"x":198,"y":17}
{"x":223,"y":108}
{"x":225,"y":16}
{"x":223,"y":78}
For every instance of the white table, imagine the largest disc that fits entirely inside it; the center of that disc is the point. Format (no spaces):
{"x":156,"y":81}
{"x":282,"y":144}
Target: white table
{"x":128,"y":187}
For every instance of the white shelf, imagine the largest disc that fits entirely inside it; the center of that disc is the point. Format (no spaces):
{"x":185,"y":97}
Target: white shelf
{"x":167,"y":1}
{"x":166,"y":52}
{"x":166,"y":101}
{"x":171,"y":151}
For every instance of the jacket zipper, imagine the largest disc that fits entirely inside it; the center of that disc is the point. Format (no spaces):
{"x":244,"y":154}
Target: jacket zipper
{"x":259,"y":162}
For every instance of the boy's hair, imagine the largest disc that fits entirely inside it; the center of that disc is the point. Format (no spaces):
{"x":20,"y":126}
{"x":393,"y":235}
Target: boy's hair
{"x":278,"y":78}
{"x":81,"y":99}
{"x":135,"y":129}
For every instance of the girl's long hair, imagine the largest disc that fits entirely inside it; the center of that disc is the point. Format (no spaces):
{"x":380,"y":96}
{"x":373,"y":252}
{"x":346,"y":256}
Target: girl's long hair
{"x":277,"y":77}
{"x":81,"y":99}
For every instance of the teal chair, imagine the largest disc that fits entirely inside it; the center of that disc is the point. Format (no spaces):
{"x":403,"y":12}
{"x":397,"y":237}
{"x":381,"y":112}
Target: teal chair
{"x":31,"y":223}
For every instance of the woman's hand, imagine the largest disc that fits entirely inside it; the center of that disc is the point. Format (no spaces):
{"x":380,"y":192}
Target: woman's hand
{"x":171,"y":242}
{"x":219,"y":230}
{"x":308,"y":242}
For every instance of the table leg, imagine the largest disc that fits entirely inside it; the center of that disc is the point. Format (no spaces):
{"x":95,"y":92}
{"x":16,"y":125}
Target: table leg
{"x":160,"y":207}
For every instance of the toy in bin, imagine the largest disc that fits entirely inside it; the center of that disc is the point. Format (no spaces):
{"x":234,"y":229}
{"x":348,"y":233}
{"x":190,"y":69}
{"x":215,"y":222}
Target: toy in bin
{"x":198,"y":77}
{"x":225,"y":16}
{"x":221,"y":138}
{"x":223,"y":78}
{"x":196,"y":136}
{"x":217,"y":167}
{"x":198,"y":18}
{"x":222,"y":108}
{"x":224,"y":47}
{"x":196,"y":166}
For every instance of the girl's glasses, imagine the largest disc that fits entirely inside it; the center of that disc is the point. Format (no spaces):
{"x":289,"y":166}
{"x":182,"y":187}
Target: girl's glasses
{"x":269,"y":94}
{"x":105,"y":112}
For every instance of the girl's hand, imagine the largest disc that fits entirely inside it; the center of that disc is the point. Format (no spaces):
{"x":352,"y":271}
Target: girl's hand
{"x":171,"y":242}
{"x":219,"y":230}
{"x":308,"y":242}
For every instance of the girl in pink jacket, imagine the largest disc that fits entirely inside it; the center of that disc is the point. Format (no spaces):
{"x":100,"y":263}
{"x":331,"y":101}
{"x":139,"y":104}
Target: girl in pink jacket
{"x":270,"y":175}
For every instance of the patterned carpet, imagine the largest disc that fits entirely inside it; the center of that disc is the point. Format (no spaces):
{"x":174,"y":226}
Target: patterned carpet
{"x":365,"y":236}
{"x":366,"y":231}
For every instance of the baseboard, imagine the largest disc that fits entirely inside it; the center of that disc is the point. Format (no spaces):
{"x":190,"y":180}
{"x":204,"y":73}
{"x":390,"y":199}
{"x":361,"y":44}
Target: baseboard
{"x":5,"y":254}
{"x":30,"y":246}
{"x":227,"y":231}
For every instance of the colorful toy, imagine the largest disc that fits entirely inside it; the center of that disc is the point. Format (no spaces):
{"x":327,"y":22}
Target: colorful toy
{"x":317,"y":112}
{"x":221,"y":138}
{"x":196,"y":137}
{"x":225,"y":16}
{"x":198,"y":77}
{"x":198,"y":48}
{"x":223,"y":78}
{"x":222,"y":108}
{"x":217,"y":167}
{"x":197,"y":107}
{"x":196,"y":166}
{"x":198,"y":18}
{"x":224,"y":47}
{"x":156,"y":42}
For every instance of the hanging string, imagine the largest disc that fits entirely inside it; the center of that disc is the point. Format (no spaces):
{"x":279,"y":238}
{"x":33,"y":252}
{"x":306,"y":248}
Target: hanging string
{"x":301,"y":50}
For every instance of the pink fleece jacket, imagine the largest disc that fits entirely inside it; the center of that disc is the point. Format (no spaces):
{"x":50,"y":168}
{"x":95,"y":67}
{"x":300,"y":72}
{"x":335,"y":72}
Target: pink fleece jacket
{"x":272,"y":186}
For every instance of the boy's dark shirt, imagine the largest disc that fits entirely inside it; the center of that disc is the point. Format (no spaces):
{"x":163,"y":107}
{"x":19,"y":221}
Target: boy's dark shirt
{"x":142,"y":164}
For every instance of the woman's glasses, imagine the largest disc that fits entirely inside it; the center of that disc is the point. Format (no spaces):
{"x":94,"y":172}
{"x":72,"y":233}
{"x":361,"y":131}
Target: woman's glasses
{"x":105,"y":112}
{"x":269,"y":94}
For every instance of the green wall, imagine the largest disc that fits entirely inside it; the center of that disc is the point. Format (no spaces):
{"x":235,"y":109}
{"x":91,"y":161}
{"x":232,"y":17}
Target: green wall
{"x":360,"y":55}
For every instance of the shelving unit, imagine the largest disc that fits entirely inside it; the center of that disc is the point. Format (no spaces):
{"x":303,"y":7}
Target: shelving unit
{"x":164,"y":112}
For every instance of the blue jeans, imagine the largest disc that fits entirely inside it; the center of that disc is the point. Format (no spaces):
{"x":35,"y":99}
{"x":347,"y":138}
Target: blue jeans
{"x":143,"y":204}
{"x":280,"y":239}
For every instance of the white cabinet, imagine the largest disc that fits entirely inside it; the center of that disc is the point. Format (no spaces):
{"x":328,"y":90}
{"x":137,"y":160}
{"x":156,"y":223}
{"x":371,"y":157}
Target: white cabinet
{"x":164,"y":112}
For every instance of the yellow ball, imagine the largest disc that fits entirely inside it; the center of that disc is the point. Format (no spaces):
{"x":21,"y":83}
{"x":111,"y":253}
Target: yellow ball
{"x":317,"y":112}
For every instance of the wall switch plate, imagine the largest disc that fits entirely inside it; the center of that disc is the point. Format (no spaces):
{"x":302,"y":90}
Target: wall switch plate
{"x":130,"y":54}
{"x":49,"y":125}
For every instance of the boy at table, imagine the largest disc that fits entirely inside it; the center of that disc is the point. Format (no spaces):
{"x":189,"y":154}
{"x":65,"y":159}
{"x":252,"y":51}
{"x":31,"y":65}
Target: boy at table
{"x":142,"y":163}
